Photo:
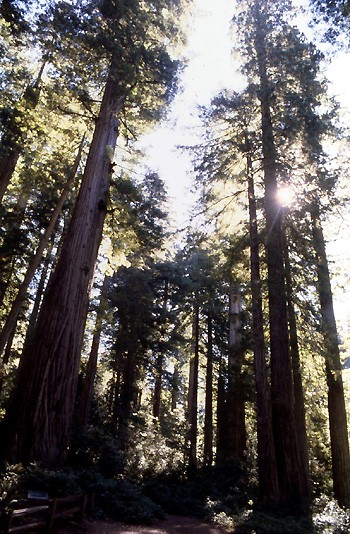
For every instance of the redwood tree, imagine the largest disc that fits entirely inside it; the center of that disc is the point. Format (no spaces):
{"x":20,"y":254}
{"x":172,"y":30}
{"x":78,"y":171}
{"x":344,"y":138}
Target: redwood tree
{"x":38,"y":418}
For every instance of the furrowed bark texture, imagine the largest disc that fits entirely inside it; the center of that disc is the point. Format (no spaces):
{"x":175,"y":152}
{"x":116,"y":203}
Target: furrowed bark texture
{"x":267,"y":468}
{"x":11,"y":319}
{"x":336,"y":402}
{"x":38,"y":420}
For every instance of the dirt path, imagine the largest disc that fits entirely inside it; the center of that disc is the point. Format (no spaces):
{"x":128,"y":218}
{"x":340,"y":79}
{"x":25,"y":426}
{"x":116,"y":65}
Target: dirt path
{"x":171,"y":525}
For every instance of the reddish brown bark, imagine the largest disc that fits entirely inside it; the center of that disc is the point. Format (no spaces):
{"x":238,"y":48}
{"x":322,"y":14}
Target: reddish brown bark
{"x":11,"y":319}
{"x":38,"y":420}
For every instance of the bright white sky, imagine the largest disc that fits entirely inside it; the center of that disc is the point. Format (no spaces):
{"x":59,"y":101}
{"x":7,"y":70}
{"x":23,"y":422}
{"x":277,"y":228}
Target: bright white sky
{"x":210,"y":68}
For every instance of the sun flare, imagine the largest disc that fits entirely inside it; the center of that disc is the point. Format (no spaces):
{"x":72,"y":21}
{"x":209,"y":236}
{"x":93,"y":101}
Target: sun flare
{"x":285,"y":195}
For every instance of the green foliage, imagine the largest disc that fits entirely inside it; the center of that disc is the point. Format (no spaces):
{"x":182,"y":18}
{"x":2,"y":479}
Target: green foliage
{"x":150,"y":454}
{"x":116,"y":498}
{"x":10,"y":479}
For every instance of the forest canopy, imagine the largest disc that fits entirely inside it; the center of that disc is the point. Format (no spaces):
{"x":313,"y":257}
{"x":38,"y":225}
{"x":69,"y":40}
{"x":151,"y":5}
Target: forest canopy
{"x":196,"y":370}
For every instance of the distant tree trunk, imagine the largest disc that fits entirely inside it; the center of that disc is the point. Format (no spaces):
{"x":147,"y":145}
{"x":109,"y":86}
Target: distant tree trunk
{"x":267,"y":468}
{"x":11,"y":319}
{"x":38,"y":419}
{"x":175,"y":388}
{"x":221,"y":416}
{"x":192,"y":413}
{"x":289,"y":466}
{"x":299,"y":402}
{"x":128,"y":395}
{"x":160,"y":355}
{"x":336,"y":403}
{"x":87,"y":392}
{"x":12,"y":140}
{"x":208,"y":417}
{"x":235,"y":434}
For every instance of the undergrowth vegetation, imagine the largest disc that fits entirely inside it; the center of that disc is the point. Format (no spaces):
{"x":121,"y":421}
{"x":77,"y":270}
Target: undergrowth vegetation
{"x":225,"y":495}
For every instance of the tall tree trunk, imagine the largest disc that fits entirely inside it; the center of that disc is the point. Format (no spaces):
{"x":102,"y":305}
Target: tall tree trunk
{"x":267,"y":468}
{"x":192,"y":413}
{"x":87,"y":393}
{"x":11,"y":142}
{"x":299,"y":402}
{"x":38,"y":420}
{"x":11,"y":320}
{"x":221,"y":416}
{"x":336,"y":403}
{"x":289,"y":466}
{"x":127,"y":395}
{"x":235,"y":402}
{"x":160,"y":356}
{"x":208,"y":417}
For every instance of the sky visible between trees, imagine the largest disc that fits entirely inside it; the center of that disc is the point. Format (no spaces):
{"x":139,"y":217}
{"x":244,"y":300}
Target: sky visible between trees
{"x":211,"y":67}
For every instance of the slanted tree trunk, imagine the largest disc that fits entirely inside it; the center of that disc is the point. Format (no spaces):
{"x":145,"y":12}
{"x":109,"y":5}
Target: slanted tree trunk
{"x":289,"y":466}
{"x":38,"y":419}
{"x":87,"y":393}
{"x":267,"y":468}
{"x":11,"y":319}
{"x":192,"y":411}
{"x":336,"y":403}
{"x":208,"y":417}
{"x":12,"y":140}
{"x":13,"y":236}
{"x":299,"y":402}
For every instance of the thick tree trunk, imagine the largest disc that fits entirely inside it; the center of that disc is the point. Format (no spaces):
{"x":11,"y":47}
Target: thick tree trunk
{"x":289,"y":466}
{"x":299,"y":403}
{"x":192,"y":413}
{"x":267,"y":468}
{"x":336,"y":403}
{"x":87,"y":393}
{"x":38,"y":420}
{"x":11,"y":319}
{"x":208,"y":417}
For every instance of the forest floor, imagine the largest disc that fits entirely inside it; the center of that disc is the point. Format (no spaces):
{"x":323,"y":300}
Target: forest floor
{"x":171,"y":525}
